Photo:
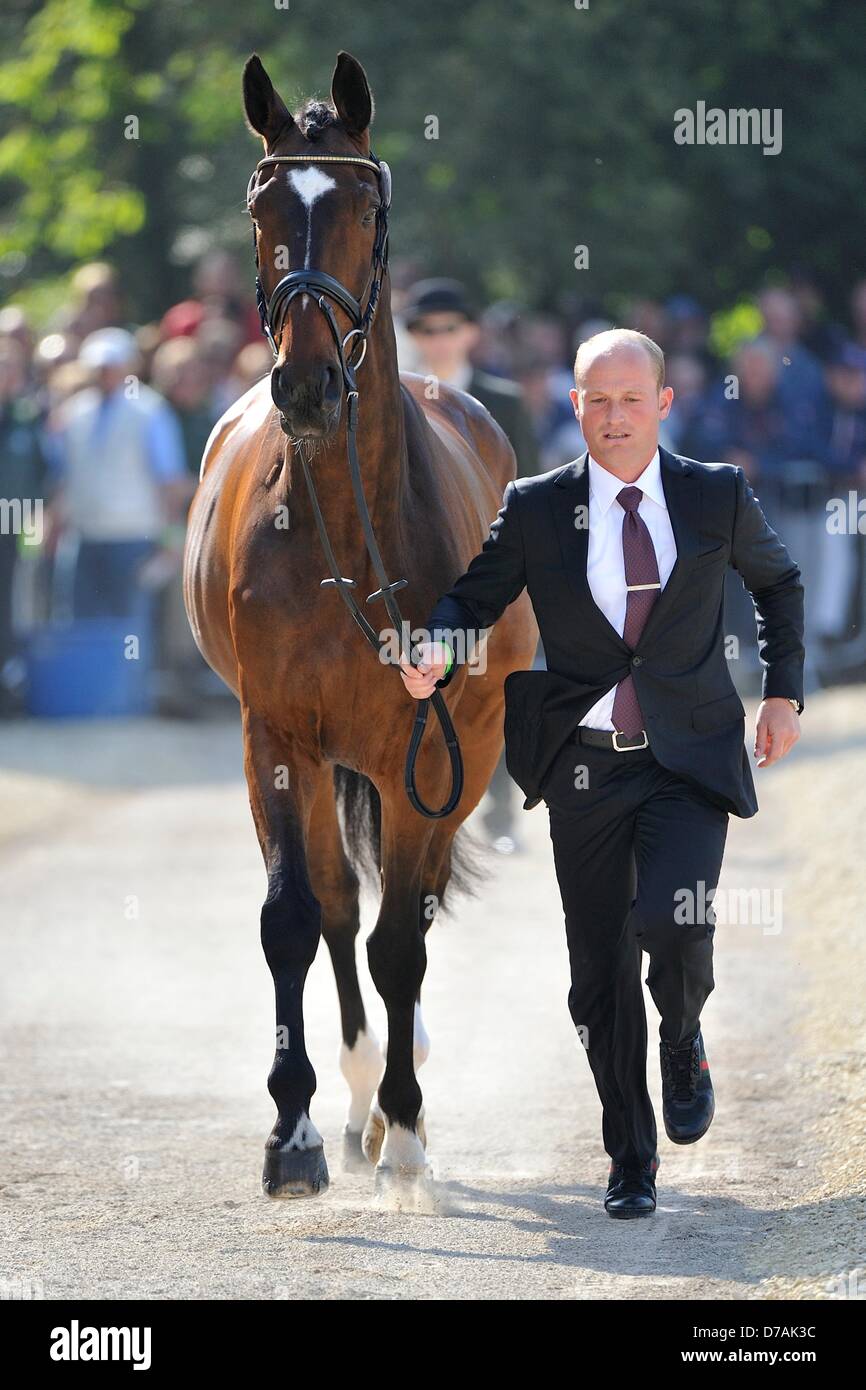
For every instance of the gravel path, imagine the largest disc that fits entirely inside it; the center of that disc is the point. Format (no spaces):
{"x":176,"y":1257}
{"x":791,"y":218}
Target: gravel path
{"x":137,"y":1025}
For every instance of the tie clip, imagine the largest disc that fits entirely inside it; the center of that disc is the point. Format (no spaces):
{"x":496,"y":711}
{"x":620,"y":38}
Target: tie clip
{"x":644,"y":586}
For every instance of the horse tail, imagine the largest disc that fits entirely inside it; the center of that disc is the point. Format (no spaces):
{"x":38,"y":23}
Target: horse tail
{"x":360,"y":808}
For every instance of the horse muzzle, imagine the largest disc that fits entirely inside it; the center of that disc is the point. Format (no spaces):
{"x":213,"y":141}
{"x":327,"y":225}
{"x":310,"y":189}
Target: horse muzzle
{"x":308,"y":403}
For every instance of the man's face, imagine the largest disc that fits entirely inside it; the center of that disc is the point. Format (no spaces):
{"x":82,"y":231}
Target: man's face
{"x":443,"y":339}
{"x":619,"y":406}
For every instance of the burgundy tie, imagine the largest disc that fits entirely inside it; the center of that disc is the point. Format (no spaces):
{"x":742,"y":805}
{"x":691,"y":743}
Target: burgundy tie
{"x":642,"y":579}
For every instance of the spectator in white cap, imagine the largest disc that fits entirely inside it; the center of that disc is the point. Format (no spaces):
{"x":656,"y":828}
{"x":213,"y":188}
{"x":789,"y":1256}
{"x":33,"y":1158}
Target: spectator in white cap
{"x":122,"y":475}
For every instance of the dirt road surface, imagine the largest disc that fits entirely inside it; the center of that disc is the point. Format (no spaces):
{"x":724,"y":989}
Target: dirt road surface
{"x":137,"y":1036}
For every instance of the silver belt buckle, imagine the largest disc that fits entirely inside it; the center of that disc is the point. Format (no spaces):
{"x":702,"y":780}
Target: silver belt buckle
{"x":631,"y":747}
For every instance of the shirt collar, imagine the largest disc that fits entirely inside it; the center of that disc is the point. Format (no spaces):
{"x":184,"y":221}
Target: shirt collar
{"x":604,"y":486}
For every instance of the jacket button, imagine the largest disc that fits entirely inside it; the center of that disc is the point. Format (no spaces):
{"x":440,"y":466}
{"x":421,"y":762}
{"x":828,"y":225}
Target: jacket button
{"x":636,"y":660}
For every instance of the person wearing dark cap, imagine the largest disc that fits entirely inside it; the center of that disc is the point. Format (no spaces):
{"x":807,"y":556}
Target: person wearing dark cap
{"x":444,"y":329}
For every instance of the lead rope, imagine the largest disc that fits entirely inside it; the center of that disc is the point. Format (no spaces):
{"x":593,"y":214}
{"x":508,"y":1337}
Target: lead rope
{"x":319,"y":284}
{"x":386,"y":591}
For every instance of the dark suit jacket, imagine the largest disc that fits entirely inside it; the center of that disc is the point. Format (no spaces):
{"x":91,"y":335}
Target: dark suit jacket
{"x":694,"y":716}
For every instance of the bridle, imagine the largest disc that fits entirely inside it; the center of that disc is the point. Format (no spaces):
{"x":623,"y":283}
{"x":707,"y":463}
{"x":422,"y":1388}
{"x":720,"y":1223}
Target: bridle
{"x":272,"y":312}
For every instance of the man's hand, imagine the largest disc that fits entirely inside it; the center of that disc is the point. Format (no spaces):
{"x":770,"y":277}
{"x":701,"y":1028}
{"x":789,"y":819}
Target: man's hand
{"x":776,"y":730}
{"x":421,"y":680}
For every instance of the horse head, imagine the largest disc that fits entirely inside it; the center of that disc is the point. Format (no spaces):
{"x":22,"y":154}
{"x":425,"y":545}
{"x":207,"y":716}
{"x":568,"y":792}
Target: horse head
{"x":319,"y":202}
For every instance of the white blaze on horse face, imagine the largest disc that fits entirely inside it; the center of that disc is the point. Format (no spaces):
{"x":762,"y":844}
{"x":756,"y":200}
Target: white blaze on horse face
{"x":310,"y":184}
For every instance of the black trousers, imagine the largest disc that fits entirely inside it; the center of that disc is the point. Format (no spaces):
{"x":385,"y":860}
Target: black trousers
{"x":637,"y":850}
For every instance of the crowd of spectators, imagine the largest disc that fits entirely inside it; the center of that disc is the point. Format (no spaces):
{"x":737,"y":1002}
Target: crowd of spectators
{"x":105,"y":420}
{"x":787,"y":403}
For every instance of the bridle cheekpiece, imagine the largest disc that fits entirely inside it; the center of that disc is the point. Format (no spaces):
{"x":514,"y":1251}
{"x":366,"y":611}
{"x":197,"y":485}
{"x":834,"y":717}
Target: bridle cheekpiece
{"x":318,"y":283}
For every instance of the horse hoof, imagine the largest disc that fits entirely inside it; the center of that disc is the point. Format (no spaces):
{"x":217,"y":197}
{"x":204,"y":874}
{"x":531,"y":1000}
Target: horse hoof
{"x":373,"y":1136}
{"x":354,"y":1158}
{"x":405,"y":1188}
{"x":294,"y":1172}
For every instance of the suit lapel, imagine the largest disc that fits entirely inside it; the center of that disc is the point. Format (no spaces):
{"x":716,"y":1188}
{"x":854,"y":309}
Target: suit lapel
{"x":682,"y":490}
{"x":571,"y":514}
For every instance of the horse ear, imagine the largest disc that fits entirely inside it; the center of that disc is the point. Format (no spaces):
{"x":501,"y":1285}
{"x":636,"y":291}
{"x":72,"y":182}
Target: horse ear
{"x":350,"y":93}
{"x":266,"y":112}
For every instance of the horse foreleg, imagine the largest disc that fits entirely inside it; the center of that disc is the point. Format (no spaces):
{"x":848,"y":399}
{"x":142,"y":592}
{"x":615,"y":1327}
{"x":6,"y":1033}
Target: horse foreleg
{"x":281,"y":794}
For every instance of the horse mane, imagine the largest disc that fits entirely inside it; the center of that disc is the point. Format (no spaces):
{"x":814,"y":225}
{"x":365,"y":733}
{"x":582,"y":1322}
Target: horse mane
{"x":315,"y":117}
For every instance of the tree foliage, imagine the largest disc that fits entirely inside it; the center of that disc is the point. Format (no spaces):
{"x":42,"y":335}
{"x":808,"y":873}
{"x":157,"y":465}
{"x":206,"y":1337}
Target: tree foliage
{"x":553,"y":129}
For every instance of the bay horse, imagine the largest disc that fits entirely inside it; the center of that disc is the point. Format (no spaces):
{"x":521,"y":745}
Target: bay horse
{"x":322,"y":721}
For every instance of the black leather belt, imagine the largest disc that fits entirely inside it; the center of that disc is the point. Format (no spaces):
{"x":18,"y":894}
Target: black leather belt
{"x":611,"y":738}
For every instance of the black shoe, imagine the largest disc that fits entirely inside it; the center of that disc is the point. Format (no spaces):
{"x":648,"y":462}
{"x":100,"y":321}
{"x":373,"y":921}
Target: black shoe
{"x":631,"y":1189}
{"x":688,"y":1103}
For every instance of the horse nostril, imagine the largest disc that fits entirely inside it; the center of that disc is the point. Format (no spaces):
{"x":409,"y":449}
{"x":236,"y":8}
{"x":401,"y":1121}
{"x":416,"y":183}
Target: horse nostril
{"x":331,"y":385}
{"x":279,"y":394}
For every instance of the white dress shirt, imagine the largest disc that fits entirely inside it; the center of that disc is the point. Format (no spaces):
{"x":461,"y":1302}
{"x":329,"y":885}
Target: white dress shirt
{"x":605,"y":566}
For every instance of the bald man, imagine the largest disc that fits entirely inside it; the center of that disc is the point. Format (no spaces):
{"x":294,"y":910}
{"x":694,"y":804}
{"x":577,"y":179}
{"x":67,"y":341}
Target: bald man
{"x":634,"y":735}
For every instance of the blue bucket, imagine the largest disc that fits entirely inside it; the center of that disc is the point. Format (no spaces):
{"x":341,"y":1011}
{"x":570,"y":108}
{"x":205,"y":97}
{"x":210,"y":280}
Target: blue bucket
{"x":93,"y":668}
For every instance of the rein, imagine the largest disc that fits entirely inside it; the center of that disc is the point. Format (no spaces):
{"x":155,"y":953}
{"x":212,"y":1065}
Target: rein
{"x":272,"y":313}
